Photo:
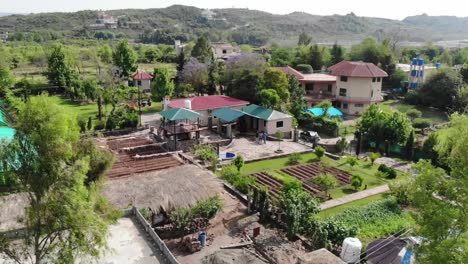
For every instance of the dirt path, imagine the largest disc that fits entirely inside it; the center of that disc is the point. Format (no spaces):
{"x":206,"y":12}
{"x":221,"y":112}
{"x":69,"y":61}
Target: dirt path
{"x":353,"y":197}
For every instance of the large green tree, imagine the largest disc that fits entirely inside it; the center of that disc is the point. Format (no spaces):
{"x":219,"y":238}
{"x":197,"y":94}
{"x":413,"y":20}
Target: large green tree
{"x":59,"y":71}
{"x":277,"y":80}
{"x":304,"y":39}
{"x":441,"y":88}
{"x":125,"y":58}
{"x":281,"y":57}
{"x":162,"y":84}
{"x":298,"y":102}
{"x":269,"y":98}
{"x":64,"y":218}
{"x":337,"y":53}
{"x":316,"y":59}
{"x":202,"y":50}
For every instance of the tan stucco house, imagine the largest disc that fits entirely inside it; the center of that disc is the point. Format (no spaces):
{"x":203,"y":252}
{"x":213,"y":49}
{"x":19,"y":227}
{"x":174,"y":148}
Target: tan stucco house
{"x":358,"y":85}
{"x":142,"y":80}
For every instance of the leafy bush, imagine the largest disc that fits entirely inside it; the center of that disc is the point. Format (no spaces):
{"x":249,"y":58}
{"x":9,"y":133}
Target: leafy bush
{"x":181,"y":217}
{"x":400,"y":190}
{"x":82,"y":125}
{"x":207,"y":208}
{"x":203,"y":152}
{"x":240,"y":182}
{"x":325,"y":181}
{"x":356,"y":181}
{"x":294,"y":159}
{"x":413,"y":114}
{"x":351,"y":160}
{"x":238,"y":162}
{"x":390,"y":172}
{"x":332,"y":232}
{"x":422,"y":123}
{"x":373,"y":156}
{"x":100,"y":125}
{"x":320,"y":124}
{"x":341,"y":145}
{"x":304,"y":68}
{"x":413,"y":98}
{"x":319,"y":151}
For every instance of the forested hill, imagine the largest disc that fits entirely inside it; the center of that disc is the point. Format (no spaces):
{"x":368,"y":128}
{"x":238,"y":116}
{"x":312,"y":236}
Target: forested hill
{"x":241,"y":25}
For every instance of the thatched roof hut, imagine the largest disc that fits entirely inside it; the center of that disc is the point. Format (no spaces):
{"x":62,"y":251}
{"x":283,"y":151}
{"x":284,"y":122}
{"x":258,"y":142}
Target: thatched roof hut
{"x":171,"y":188}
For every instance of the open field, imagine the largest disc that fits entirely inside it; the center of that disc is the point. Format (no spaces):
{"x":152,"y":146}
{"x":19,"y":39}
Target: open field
{"x":435,"y":115}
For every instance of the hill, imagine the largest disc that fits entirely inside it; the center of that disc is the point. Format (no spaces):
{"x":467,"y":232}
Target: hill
{"x":162,"y":25}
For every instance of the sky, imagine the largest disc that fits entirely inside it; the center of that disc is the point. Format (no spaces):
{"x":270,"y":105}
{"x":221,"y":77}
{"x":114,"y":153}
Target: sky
{"x":393,"y":9}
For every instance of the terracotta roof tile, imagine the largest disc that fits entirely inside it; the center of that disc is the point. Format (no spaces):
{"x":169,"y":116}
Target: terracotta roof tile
{"x":357,"y":69}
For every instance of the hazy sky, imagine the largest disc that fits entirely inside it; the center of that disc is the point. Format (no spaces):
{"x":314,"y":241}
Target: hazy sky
{"x":395,"y":9}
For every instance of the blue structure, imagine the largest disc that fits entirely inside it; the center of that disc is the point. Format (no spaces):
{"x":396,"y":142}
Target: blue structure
{"x":331,"y":112}
{"x":416,"y":73}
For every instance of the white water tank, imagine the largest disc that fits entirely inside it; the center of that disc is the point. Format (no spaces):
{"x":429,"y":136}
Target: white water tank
{"x":188,"y":104}
{"x":351,"y":250}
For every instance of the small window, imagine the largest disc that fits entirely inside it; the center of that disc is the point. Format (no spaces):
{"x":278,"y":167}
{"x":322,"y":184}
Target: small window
{"x":279,"y":124}
{"x":342,"y":92}
{"x":224,"y":51}
{"x":373,"y":79}
{"x":338,"y":104}
{"x":372,"y":94}
{"x":310,"y":87}
{"x":344,"y":78}
{"x":264,"y":123}
{"x":139,"y":83}
{"x":345,"y":106}
{"x":329,"y":89}
{"x":378,"y":79}
{"x":359,"y":105}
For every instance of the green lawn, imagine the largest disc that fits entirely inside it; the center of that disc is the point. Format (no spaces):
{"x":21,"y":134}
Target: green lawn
{"x":434,"y":115}
{"x":362,"y":169}
{"x":154,"y":108}
{"x":83,"y":111}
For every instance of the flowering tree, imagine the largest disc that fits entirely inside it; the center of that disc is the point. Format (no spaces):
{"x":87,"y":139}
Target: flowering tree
{"x":195,"y":74}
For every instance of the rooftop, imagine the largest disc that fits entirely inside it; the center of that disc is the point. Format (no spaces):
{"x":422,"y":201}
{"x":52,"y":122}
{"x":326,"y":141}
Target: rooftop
{"x":142,"y":76}
{"x":357,"y":69}
{"x":310,"y":77}
{"x":208,"y":102}
{"x":264,"y":113}
{"x":174,"y":114}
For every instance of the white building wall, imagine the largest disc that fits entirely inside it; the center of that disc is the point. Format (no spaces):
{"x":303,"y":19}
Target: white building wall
{"x":271,"y":128}
{"x":145,"y":85}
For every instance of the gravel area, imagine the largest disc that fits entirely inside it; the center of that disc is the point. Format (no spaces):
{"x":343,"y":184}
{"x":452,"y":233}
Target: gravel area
{"x":396,"y":164}
{"x":251,"y":150}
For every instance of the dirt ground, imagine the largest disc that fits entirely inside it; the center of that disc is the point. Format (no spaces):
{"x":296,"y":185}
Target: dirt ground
{"x":228,"y":228}
{"x":396,"y":164}
{"x":250,"y":149}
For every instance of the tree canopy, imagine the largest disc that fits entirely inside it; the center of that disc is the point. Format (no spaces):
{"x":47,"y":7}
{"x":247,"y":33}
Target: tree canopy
{"x":441,"y":89}
{"x":162,"y":84}
{"x":59,"y":71}
{"x":125,"y":58}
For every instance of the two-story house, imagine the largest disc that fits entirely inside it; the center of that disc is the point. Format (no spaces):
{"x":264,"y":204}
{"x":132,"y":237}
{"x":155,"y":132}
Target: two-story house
{"x":223,"y":50}
{"x":358,"y":85}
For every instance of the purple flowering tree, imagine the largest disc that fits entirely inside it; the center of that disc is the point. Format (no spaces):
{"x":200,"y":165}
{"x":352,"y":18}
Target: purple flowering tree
{"x":195,"y":74}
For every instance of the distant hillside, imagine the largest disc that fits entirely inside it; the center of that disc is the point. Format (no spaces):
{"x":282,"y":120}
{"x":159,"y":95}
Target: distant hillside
{"x":5,"y":14}
{"x":242,"y":25}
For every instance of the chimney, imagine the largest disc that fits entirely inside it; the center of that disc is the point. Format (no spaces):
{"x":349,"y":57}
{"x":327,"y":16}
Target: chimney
{"x":188,"y":104}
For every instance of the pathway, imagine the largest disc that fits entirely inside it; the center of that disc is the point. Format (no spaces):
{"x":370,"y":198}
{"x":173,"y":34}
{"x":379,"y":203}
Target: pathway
{"x":353,"y":197}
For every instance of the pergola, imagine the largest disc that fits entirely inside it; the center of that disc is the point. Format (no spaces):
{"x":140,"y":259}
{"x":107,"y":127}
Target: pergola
{"x":178,"y":121}
{"x":227,"y":116}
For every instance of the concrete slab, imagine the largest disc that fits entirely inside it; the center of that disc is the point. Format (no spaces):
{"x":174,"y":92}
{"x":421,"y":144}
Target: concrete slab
{"x":129,"y":243}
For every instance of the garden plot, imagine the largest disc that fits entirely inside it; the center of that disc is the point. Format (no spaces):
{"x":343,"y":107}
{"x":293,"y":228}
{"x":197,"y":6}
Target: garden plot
{"x":304,"y":173}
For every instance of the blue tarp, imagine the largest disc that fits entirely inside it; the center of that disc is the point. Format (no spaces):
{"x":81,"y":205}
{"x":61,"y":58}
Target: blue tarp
{"x":332,"y":112}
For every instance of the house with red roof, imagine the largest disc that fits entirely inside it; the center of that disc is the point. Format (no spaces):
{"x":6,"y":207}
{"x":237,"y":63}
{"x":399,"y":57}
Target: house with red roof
{"x":359,"y":84}
{"x":205,"y":105}
{"x":317,"y":86}
{"x":142,"y":80}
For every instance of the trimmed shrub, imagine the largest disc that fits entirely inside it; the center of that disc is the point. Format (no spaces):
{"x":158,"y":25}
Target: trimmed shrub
{"x":294,"y":159}
{"x":351,"y":160}
{"x":304,"y":68}
{"x":319,"y":151}
{"x":390,"y":172}
{"x":356,"y":181}
{"x":422,"y":123}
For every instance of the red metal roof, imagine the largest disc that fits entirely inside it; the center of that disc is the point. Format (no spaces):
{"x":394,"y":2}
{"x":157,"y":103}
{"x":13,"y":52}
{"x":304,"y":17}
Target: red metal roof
{"x":208,"y":102}
{"x":357,"y":69}
{"x":142,"y":76}
{"x":289,"y":70}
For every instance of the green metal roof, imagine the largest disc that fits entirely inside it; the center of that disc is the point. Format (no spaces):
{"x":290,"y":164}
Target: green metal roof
{"x":179,"y":114}
{"x":7,"y":133}
{"x":264,"y":113}
{"x":228,"y":114}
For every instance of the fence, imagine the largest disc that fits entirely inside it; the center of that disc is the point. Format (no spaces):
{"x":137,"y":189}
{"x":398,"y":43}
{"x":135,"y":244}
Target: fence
{"x":159,"y":242}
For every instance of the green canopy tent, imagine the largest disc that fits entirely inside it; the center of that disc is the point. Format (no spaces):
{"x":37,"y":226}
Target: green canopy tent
{"x":179,"y":115}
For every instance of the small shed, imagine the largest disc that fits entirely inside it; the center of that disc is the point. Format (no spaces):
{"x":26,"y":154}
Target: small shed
{"x":142,"y":80}
{"x":268,"y":120}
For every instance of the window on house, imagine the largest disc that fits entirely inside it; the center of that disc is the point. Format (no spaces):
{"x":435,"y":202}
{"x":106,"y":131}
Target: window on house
{"x":279,"y":124}
{"x":373,"y":79}
{"x":344,"y":78}
{"x":338,"y":104}
{"x":345,"y":106}
{"x":139,"y":83}
{"x":372,"y":93}
{"x":378,"y":79}
{"x":264,"y":123}
{"x":310,"y":87}
{"x":224,"y":51}
{"x":342,"y":92}
{"x":329,"y":89}
{"x":358,"y":105}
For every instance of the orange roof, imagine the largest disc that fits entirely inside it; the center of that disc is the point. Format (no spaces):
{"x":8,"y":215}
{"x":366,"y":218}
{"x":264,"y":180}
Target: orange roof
{"x":357,"y":69}
{"x":142,"y":76}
